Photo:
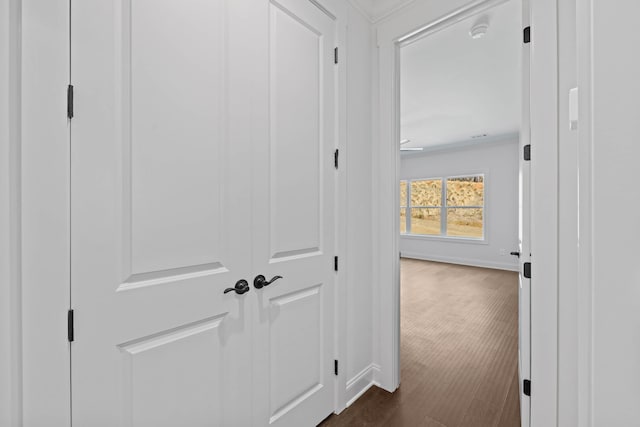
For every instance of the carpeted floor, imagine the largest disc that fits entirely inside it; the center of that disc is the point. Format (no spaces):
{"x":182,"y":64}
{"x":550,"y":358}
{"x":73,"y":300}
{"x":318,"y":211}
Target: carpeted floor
{"x":459,"y":349}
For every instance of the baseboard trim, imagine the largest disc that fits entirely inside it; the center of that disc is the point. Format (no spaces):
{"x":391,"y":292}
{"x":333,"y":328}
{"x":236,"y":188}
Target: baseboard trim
{"x":462,"y":261}
{"x":360,"y":383}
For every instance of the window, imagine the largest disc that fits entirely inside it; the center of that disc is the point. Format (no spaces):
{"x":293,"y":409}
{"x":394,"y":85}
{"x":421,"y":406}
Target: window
{"x":403,"y":206}
{"x":450,"y":207}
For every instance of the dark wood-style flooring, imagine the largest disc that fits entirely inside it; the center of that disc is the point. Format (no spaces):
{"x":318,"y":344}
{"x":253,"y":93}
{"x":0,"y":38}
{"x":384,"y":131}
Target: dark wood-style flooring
{"x":459,"y":350}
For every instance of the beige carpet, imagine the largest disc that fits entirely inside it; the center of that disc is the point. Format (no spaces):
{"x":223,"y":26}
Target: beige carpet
{"x":459,"y":352}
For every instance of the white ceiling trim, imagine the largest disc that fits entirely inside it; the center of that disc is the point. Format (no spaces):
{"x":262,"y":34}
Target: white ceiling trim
{"x":382,"y":14}
{"x":450,"y":19}
{"x":460,"y":145}
{"x":375,"y":14}
{"x":364,"y":7}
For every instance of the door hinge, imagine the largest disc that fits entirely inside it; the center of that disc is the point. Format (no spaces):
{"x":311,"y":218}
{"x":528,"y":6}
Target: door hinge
{"x":335,"y":55}
{"x":527,"y":270}
{"x":526,"y":387}
{"x":527,"y":152}
{"x":70,"y":101}
{"x":335,"y":158}
{"x":70,"y":326}
{"x":335,"y":367}
{"x":526,"y":35}
{"x":335,"y":263}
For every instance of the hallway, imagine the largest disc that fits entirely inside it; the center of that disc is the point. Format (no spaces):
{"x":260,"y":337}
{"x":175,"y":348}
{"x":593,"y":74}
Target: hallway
{"x":459,"y":349}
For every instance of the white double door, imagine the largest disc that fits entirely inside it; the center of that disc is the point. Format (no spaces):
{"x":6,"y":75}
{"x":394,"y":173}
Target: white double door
{"x":202,"y":154}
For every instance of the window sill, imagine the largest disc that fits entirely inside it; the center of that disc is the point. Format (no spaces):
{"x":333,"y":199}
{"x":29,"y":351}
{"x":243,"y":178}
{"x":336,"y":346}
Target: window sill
{"x":448,"y":239}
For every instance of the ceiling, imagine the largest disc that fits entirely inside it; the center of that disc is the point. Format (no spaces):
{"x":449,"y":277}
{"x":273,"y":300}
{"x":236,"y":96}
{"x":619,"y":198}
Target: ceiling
{"x":377,"y":10}
{"x":455,"y":89}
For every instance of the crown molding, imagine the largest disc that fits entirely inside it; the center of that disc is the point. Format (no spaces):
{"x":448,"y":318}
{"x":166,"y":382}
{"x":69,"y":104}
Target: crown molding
{"x":374,"y":14}
{"x":382,"y":14}
{"x":364,"y":8}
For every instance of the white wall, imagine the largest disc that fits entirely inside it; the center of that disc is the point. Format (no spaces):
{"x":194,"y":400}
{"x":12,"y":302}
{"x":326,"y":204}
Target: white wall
{"x":498,"y":161}
{"x":616,"y":205}
{"x":5,"y":369}
{"x":10,"y":375}
{"x":359,"y":168}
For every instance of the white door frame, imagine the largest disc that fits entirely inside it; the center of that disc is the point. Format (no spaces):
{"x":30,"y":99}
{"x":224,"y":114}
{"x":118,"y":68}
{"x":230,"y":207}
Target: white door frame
{"x":10,"y":302}
{"x":584,"y":31}
{"x":429,"y":16}
{"x":37,"y":282}
{"x":41,"y":196}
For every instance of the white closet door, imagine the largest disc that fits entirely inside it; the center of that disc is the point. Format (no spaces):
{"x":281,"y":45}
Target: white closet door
{"x":293,"y":216}
{"x":159,"y":201}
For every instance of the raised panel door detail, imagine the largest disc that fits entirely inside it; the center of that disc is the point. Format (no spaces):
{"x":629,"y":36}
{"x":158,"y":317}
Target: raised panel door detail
{"x":174,"y":376}
{"x":296,"y":336}
{"x":296,"y":134}
{"x":173,"y":123}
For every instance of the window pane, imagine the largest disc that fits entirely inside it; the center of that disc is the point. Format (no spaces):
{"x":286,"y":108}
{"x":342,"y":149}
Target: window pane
{"x":403,"y":193}
{"x":403,"y":220}
{"x":466,"y":191}
{"x":465,"y":222}
{"x":425,"y":221}
{"x":426,"y":193}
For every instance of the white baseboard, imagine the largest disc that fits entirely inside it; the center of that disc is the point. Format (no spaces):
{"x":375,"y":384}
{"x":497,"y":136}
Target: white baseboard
{"x":360,"y":383}
{"x":463,"y":261}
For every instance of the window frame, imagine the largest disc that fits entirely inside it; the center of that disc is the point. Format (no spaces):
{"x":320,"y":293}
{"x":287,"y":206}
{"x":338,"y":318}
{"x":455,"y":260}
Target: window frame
{"x":444,"y":209}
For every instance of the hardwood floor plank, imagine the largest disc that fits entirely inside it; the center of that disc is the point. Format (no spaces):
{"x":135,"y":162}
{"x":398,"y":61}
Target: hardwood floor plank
{"x":459,"y":349}
{"x":510,"y":414}
{"x":480,"y":413}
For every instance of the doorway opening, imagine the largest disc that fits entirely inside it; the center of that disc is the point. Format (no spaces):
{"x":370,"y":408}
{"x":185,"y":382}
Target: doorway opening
{"x":460,"y":101}
{"x":461,"y":187}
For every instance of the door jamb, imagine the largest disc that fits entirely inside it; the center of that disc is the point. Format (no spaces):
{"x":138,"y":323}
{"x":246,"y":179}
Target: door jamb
{"x":584,"y":31}
{"x":10,"y":196}
{"x":41,"y":186}
{"x":408,"y":23}
{"x":338,"y":9}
